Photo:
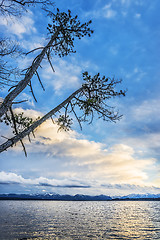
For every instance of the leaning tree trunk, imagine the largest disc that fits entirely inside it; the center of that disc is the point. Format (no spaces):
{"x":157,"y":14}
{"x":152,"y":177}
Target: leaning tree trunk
{"x":28,"y":76}
{"x":10,"y":142}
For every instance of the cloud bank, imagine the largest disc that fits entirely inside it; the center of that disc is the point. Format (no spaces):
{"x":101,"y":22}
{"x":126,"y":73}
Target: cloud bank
{"x":42,"y":184}
{"x":89,"y":160}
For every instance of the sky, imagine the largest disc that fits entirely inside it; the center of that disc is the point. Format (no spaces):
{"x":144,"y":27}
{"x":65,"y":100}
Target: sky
{"x":104,"y":158}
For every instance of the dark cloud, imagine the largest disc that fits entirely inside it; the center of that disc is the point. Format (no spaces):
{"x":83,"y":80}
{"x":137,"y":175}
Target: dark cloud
{"x":75,"y":186}
{"x":9,"y":183}
{"x":127,"y":187}
{"x":45,"y":138}
{"x":64,"y":186}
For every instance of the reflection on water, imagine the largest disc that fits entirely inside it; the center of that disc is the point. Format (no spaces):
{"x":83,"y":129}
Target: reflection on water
{"x":79,"y":220}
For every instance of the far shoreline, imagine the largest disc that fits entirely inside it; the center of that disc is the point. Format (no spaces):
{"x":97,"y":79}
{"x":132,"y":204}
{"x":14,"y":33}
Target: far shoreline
{"x":64,"y":200}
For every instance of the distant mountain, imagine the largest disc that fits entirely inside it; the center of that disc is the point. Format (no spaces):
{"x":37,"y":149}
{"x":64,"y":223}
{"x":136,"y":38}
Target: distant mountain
{"x":78,"y":197}
{"x":141,"y":196}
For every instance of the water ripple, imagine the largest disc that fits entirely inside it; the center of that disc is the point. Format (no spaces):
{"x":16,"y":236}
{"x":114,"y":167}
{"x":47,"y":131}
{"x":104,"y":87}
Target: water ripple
{"x":58,"y":220}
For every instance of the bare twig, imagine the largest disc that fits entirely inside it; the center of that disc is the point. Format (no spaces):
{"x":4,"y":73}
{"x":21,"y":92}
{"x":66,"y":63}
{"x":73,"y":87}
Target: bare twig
{"x":30,"y":85}
{"x":40,"y":81}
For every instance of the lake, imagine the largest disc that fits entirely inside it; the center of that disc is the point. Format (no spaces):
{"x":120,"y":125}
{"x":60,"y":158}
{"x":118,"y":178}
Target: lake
{"x":79,"y":220}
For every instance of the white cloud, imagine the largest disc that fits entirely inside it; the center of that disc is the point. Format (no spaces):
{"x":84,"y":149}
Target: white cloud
{"x":137,"y":74}
{"x":33,"y":43}
{"x":149,"y":143}
{"x":29,"y":112}
{"x":10,"y":178}
{"x":105,"y":12}
{"x":13,"y":178}
{"x":120,"y":163}
{"x":126,"y":7}
{"x":91,"y":161}
{"x":85,"y":186}
{"x":137,"y":15}
{"x":127,"y":3}
{"x":66,"y":76}
{"x":141,"y":127}
{"x":25,"y":24}
{"x":147,"y":110}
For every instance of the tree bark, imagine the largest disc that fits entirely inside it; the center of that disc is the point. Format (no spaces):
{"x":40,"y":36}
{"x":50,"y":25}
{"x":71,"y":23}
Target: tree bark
{"x":26,"y":132}
{"x":28,"y":76}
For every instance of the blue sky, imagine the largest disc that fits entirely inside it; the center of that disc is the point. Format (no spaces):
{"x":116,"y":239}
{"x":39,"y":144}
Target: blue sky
{"x":104,"y":158}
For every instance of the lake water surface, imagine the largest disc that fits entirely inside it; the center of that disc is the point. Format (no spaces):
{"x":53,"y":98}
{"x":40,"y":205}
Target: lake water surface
{"x":79,"y":220}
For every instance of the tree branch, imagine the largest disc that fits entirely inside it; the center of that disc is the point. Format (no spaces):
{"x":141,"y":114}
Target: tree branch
{"x":30,"y":129}
{"x":28,"y":76}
